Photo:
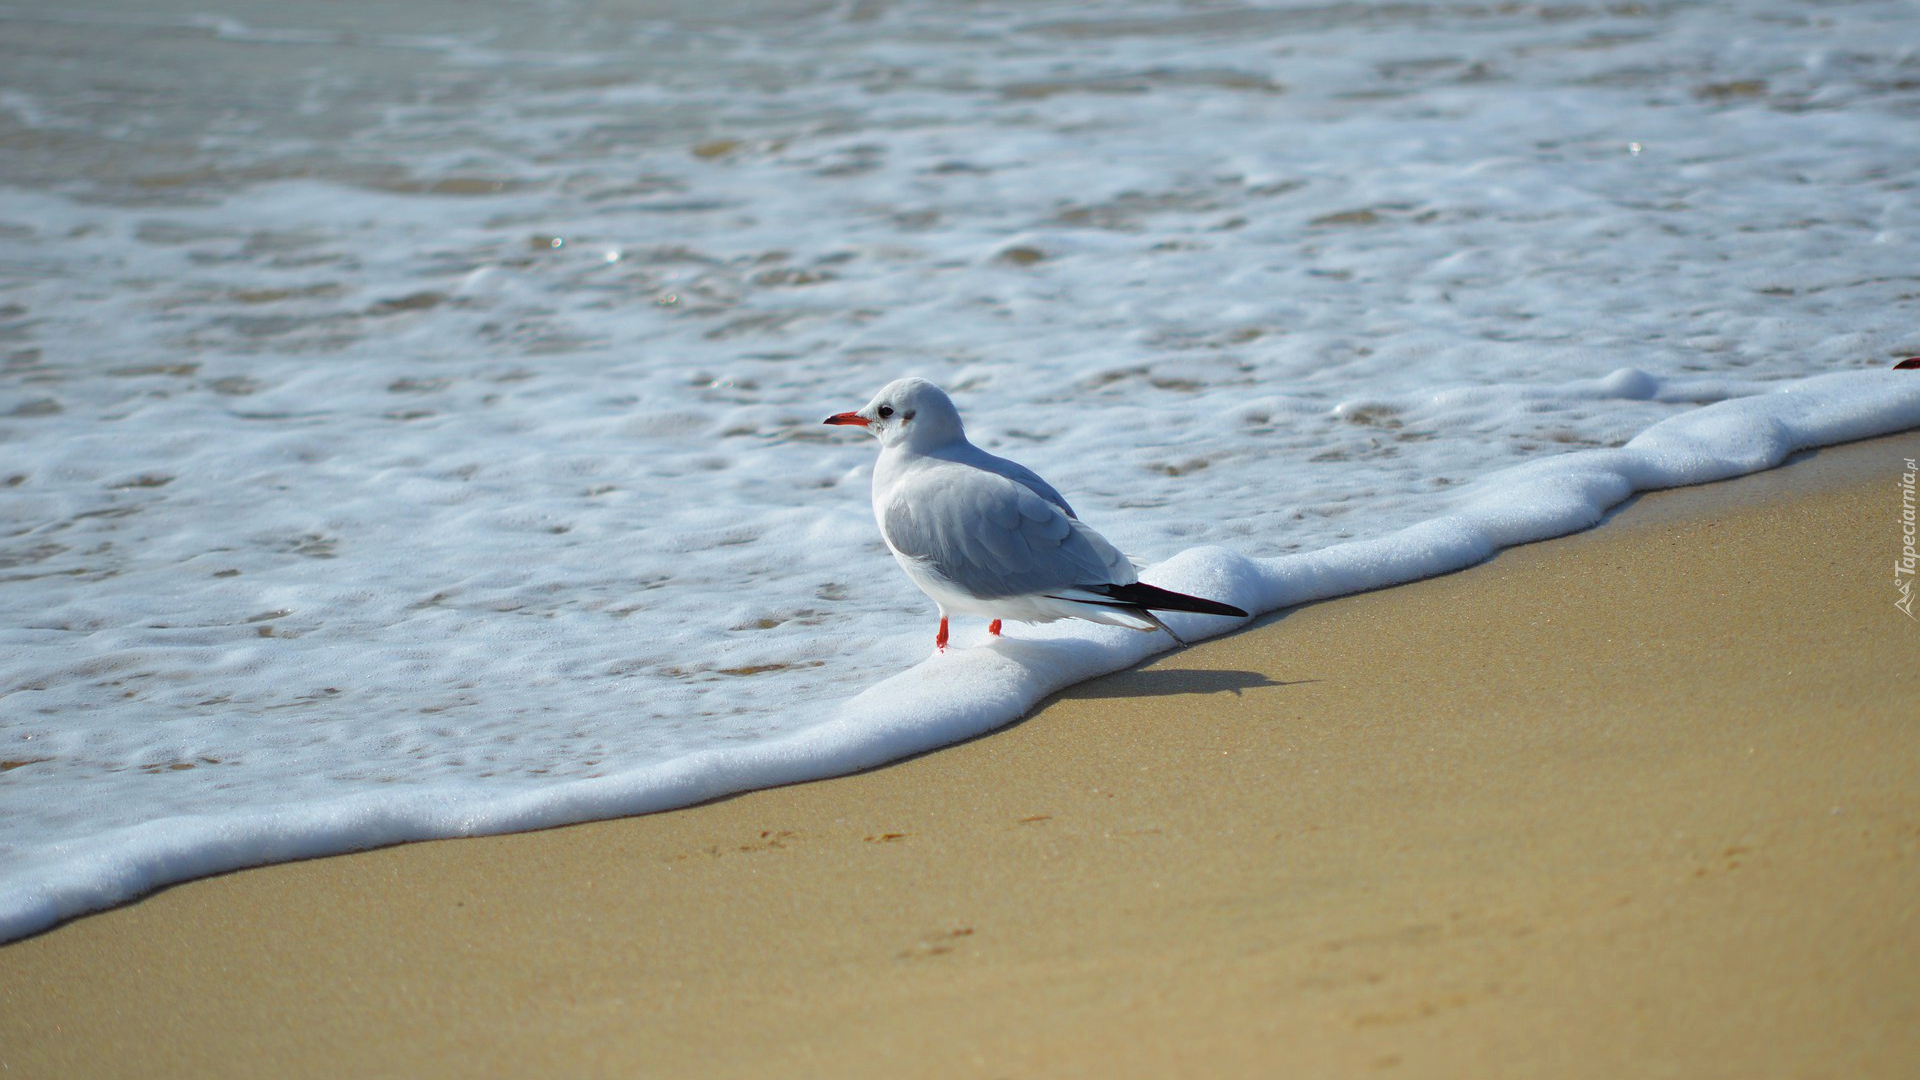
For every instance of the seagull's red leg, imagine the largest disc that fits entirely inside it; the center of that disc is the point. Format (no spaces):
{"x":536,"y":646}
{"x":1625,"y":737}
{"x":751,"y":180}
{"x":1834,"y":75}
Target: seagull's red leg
{"x":940,"y":639}
{"x":994,"y":628}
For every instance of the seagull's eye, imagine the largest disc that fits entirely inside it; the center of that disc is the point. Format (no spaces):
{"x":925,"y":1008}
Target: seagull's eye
{"x":886,"y":411}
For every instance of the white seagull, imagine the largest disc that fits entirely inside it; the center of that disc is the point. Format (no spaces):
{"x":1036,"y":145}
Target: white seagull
{"x":985,"y":536}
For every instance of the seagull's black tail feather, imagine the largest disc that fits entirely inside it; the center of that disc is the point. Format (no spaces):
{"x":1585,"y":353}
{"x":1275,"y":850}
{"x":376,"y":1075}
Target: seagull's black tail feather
{"x":1142,"y":595}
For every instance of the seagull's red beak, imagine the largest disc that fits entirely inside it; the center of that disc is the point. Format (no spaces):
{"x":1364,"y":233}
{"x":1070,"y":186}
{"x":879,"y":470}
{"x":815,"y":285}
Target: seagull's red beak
{"x":847,"y":418}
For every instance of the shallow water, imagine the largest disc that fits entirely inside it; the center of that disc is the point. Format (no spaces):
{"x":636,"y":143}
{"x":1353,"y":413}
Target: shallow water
{"x":414,"y":408}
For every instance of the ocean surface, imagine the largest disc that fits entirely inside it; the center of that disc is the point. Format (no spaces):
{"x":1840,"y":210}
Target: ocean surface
{"x":410,"y":412}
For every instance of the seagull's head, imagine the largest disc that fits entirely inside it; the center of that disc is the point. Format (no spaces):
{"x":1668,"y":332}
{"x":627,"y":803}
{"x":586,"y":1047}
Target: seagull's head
{"x":910,"y":411}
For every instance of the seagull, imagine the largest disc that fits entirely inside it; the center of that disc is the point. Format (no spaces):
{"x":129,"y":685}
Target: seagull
{"x":985,"y":536}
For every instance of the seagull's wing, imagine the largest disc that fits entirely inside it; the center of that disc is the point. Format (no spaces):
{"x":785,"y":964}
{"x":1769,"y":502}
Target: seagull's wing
{"x":1019,"y":473}
{"x":993,"y":536}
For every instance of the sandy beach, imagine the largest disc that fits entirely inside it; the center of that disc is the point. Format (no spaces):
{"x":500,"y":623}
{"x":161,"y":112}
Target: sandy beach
{"x":1643,"y":801}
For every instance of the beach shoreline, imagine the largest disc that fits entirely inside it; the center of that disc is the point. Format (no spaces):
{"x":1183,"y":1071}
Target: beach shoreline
{"x":1640,"y":800}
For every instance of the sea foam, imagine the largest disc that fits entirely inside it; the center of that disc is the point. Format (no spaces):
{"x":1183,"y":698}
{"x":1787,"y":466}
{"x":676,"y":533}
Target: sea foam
{"x":966,"y":692}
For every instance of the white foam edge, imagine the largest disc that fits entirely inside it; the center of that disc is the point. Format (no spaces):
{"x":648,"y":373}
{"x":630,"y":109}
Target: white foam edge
{"x":969,"y":691}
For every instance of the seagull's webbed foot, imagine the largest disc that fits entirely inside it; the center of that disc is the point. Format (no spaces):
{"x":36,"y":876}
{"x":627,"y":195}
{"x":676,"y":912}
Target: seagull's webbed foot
{"x":940,"y":639}
{"x":994,"y":628}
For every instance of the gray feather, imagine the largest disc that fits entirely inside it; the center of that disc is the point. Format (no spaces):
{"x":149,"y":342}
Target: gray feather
{"x":994,"y":536}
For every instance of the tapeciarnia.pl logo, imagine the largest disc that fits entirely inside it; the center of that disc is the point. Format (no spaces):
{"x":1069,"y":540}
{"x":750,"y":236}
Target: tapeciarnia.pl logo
{"x":1904,"y":567}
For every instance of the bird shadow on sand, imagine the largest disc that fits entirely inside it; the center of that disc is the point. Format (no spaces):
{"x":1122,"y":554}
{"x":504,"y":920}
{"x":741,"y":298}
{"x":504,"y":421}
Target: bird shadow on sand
{"x":1171,"y":682}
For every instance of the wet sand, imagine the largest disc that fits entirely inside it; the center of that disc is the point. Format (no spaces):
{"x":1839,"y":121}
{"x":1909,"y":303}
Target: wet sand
{"x":1639,"y":802}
